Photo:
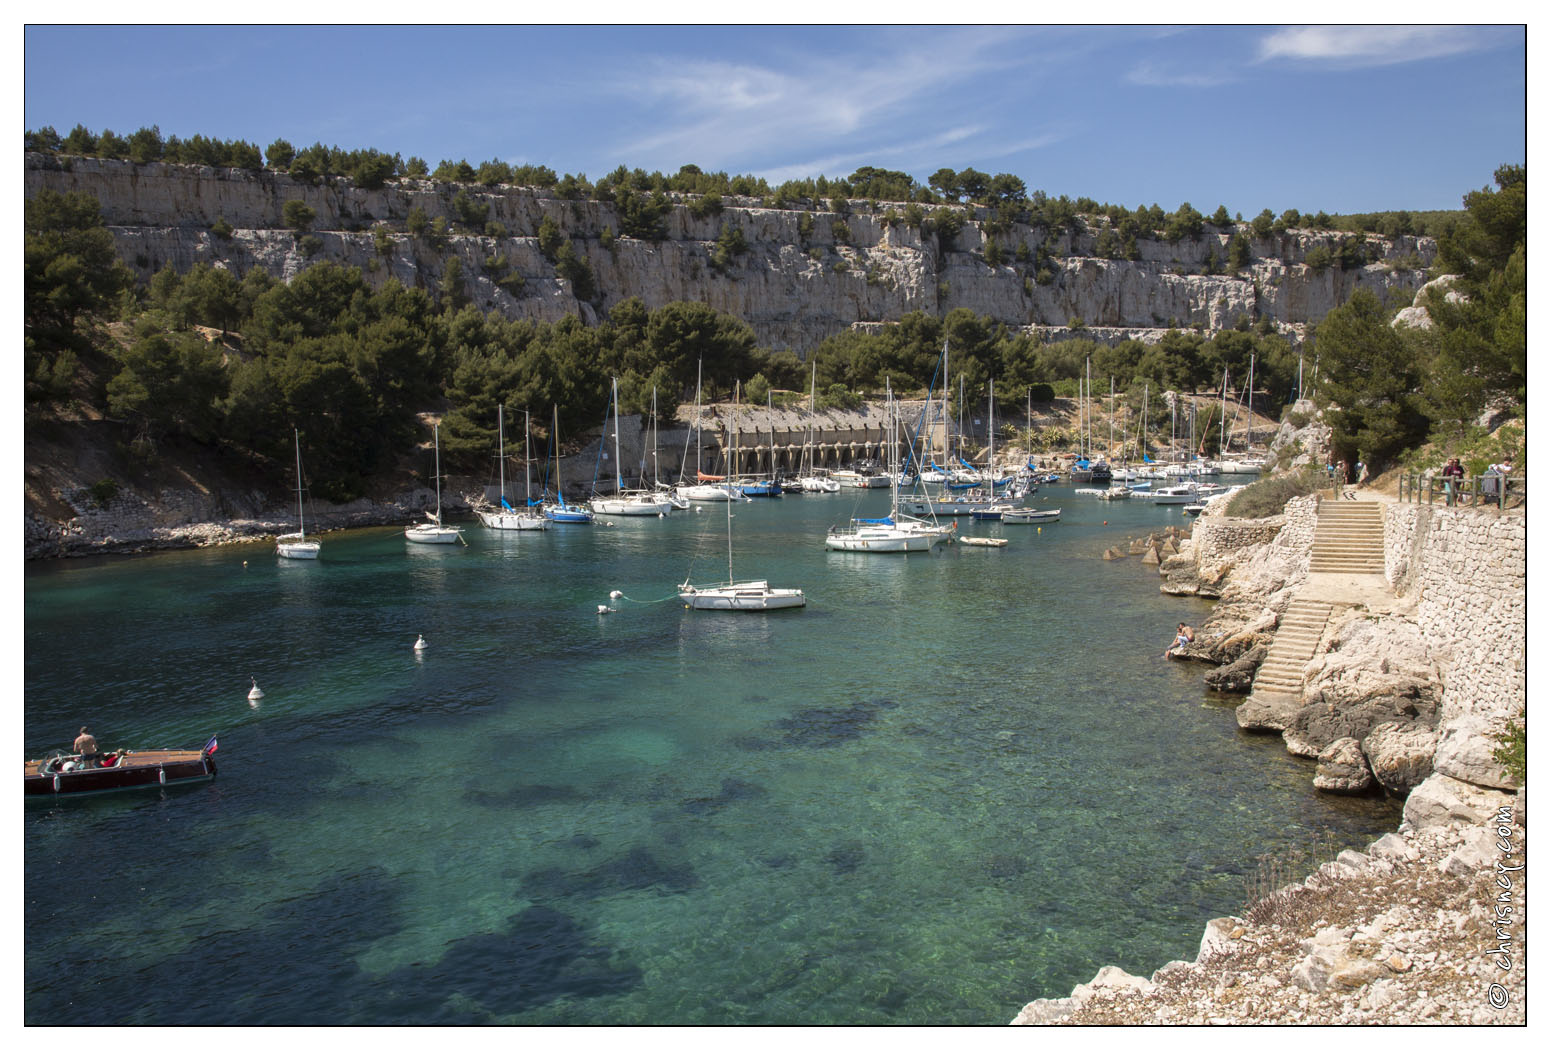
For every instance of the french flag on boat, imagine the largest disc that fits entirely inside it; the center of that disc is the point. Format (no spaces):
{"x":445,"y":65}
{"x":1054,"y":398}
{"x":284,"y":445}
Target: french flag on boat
{"x":210,"y":746}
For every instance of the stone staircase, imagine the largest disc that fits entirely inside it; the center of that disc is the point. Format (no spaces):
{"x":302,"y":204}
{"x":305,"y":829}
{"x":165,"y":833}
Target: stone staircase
{"x":1348,"y":544}
{"x":1349,"y":538}
{"x":1292,"y":649}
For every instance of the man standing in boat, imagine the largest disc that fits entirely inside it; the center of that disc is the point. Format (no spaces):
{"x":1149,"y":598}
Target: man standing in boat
{"x":86,"y":747}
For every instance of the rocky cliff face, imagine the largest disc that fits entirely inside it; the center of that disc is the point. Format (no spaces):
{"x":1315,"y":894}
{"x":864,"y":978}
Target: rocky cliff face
{"x":794,"y":289}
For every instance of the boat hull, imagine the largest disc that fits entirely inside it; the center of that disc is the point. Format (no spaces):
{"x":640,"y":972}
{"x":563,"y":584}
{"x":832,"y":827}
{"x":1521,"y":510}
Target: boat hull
{"x":1024,"y":517}
{"x":644,"y":507}
{"x":752,"y":597}
{"x":152,"y":769}
{"x":512,"y":520}
{"x":884,"y":539}
{"x":433,"y":534}
{"x":302,"y":549}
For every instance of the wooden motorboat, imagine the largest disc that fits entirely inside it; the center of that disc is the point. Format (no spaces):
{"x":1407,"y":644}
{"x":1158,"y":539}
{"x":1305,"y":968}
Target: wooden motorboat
{"x":63,"y":774}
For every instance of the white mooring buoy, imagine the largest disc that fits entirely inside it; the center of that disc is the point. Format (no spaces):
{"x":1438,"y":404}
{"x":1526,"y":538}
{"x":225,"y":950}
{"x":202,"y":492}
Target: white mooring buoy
{"x":255,"y":693}
{"x":420,"y":642}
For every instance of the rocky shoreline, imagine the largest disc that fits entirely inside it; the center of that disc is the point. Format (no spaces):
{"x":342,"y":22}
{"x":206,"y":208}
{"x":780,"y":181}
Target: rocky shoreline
{"x":1411,"y":676}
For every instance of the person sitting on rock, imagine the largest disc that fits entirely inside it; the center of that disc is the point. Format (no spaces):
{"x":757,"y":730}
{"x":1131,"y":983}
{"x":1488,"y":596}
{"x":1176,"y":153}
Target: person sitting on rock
{"x":1183,"y":637}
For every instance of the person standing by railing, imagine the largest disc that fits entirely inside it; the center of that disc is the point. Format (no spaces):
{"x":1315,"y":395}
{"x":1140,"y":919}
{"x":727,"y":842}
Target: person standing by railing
{"x":1453,"y":475}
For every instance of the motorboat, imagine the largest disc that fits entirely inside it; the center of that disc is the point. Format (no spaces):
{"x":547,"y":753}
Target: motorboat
{"x":1030,"y":516}
{"x":63,"y":774}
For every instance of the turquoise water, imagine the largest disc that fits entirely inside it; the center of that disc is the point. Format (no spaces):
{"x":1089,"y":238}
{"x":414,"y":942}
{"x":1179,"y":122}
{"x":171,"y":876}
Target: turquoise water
{"x":951,"y":784}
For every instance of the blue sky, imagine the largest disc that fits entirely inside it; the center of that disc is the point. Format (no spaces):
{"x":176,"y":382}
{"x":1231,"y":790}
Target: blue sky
{"x":1341,"y":119}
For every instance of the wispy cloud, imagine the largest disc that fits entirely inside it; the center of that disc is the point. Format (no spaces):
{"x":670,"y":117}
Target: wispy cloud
{"x":1150,"y":75}
{"x":891,"y":99}
{"x":1360,"y":46}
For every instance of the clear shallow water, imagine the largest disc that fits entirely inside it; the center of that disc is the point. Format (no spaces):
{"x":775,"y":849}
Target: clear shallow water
{"x":951,"y":784}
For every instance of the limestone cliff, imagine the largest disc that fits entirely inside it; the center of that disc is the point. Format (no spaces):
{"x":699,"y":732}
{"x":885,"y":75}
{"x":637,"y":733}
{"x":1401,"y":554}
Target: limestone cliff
{"x":794,"y":287}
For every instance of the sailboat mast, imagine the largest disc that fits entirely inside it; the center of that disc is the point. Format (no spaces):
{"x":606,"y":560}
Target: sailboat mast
{"x":1249,"y":419}
{"x":301,"y":526}
{"x":729,"y":491}
{"x":619,"y":475}
{"x":527,"y":457}
{"x":500,"y":430}
{"x":436,"y":439}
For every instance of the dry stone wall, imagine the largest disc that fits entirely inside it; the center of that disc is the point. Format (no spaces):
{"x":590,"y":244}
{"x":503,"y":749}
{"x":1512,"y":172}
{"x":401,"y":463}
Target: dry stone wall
{"x":794,"y":289}
{"x":1466,"y":570}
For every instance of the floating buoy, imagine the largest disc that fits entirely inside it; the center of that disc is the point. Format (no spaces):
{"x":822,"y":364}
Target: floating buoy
{"x":1039,"y":529}
{"x":616,"y":594}
{"x":420,"y":642}
{"x":255,"y":693}
{"x":1106,"y":521}
{"x":605,"y":609}
{"x":244,"y":563}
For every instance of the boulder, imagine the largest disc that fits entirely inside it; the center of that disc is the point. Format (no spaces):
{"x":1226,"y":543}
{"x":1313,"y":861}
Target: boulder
{"x":1318,"y":725}
{"x":1239,"y":676}
{"x":1465,"y":747}
{"x":1268,"y":713}
{"x":1400,"y":754}
{"x":1441,"y":801}
{"x":1392,"y":845}
{"x":1342,"y":768}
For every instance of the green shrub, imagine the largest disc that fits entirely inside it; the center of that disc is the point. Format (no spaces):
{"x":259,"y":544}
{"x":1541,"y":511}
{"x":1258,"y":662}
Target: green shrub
{"x":1510,"y":750}
{"x":103,"y":492}
{"x":1269,"y":496}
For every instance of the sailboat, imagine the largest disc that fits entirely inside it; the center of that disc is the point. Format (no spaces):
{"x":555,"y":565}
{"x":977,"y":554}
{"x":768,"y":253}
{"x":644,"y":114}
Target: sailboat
{"x":507,"y":517}
{"x":559,"y":510}
{"x":896,"y":531}
{"x":807,"y":475}
{"x":636,"y":502}
{"x":747,"y":595}
{"x":432,"y":531}
{"x":703,"y":491}
{"x":297,"y":544}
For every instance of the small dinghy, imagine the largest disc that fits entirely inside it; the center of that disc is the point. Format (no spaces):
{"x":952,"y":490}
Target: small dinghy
{"x":983,"y":541}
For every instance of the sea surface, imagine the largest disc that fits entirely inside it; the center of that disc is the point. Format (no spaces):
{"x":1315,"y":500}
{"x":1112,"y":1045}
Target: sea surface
{"x":953,"y":783}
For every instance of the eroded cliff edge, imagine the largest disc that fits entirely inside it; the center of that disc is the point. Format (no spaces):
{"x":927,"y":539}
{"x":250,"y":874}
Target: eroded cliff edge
{"x":805,"y":276}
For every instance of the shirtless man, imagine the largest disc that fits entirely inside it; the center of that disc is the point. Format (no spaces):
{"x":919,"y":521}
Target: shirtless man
{"x":86,"y":746}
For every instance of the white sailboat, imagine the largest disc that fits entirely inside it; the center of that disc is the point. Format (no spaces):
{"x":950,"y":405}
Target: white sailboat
{"x":433,"y":531}
{"x":808,"y":476}
{"x":506,"y":517}
{"x":559,"y":510}
{"x":708,"y":488}
{"x":632,"y":502}
{"x":897,"y":531}
{"x":298,"y":544}
{"x":736,"y":595}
